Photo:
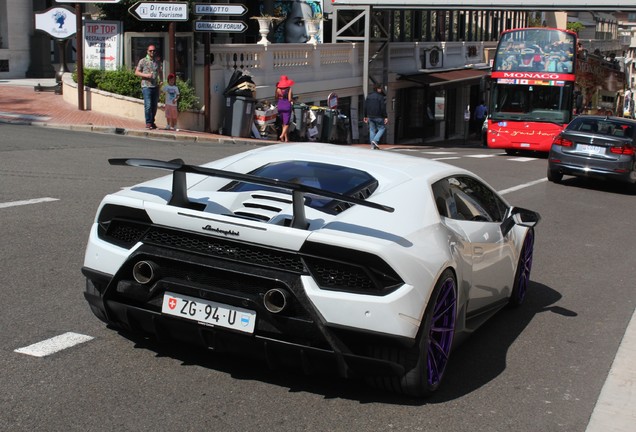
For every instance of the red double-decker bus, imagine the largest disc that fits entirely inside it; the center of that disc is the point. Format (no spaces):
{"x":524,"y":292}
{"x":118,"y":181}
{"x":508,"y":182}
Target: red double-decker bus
{"x":539,"y":80}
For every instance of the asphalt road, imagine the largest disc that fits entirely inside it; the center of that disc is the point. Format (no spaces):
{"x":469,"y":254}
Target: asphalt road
{"x":539,"y":368}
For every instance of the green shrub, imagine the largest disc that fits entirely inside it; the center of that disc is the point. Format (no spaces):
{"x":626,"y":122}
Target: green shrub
{"x":187,"y":96}
{"x":92,"y":77}
{"x":576,"y":27}
{"x":124,"y":82}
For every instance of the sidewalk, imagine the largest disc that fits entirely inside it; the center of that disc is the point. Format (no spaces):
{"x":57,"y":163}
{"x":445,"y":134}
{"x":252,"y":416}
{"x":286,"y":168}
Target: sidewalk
{"x":21,"y":104}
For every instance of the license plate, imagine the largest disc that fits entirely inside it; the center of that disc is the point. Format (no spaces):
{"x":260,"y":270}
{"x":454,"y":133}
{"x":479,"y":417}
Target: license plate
{"x":208,"y":312}
{"x":590,"y":149}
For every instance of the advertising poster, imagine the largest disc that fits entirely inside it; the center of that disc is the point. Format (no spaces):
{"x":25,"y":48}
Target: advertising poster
{"x":301,"y":21}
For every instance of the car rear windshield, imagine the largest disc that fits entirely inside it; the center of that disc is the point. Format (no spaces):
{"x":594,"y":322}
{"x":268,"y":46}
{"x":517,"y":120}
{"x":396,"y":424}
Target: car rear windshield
{"x":333,"y":178}
{"x":603,"y":127}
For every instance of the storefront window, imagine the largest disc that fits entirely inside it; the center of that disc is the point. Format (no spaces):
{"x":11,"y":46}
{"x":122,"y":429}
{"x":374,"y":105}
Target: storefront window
{"x":183,"y":61}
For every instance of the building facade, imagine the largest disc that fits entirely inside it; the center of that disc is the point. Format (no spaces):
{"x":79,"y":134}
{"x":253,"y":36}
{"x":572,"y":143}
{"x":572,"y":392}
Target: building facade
{"x":431,"y":63}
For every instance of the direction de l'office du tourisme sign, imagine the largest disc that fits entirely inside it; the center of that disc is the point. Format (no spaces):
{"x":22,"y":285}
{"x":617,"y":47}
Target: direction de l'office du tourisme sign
{"x":164,"y":11}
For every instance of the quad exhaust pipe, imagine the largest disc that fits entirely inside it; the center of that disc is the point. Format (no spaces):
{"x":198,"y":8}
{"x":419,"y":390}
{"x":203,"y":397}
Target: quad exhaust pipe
{"x":145,"y":272}
{"x":275,"y":300}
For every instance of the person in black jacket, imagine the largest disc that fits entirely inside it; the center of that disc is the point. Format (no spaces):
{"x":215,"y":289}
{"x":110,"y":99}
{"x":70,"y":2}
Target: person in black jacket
{"x":375,"y":115}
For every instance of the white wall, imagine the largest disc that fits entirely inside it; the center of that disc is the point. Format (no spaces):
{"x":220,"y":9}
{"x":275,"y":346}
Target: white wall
{"x":19,"y":28}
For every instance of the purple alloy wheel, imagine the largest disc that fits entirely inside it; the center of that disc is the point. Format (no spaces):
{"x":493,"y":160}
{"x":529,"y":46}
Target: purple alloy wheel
{"x":525,"y":264}
{"x":441,"y":332}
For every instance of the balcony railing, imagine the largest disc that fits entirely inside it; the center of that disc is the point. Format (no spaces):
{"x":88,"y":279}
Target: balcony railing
{"x":316,"y":67}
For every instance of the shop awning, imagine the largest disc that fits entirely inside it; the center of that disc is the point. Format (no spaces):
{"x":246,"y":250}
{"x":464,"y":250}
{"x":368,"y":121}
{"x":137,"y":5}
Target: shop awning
{"x":451,"y":78}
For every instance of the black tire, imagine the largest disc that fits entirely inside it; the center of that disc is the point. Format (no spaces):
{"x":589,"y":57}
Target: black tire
{"x":554,"y":176}
{"x":522,"y":275}
{"x":425,"y":363}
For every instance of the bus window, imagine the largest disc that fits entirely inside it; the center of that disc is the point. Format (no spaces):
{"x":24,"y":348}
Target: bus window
{"x":536,"y":49}
{"x":537,"y":103}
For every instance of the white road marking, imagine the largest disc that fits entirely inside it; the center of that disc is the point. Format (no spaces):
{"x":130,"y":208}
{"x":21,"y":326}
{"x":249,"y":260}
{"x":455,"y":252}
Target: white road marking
{"x":474,"y":156}
{"x":54,"y":344}
{"x":522,"y":186}
{"x":481,"y":156}
{"x":27,"y":202}
{"x":522,"y":159}
{"x":614,"y":410}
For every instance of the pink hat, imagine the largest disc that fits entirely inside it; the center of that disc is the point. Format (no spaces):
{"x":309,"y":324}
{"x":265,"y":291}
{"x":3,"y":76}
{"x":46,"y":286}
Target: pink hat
{"x":284,"y":82}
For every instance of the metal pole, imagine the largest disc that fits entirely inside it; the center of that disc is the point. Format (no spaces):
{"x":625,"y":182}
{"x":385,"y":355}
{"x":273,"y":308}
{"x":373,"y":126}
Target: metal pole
{"x":172,"y":60}
{"x":80,"y":57}
{"x":206,"y":82}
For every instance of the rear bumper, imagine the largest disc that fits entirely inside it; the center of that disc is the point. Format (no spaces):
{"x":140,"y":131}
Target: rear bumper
{"x":303,"y":342}
{"x":621,"y":170}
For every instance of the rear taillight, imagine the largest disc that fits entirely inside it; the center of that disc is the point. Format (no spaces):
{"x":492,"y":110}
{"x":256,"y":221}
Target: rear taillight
{"x":625,"y":150}
{"x":559,"y":140}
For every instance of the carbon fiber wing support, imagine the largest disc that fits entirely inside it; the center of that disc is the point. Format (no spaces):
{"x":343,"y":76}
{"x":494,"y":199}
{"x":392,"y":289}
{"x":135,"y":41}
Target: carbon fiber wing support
{"x":179,"y":196}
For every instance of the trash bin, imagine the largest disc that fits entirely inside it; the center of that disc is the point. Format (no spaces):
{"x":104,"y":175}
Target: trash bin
{"x":300,"y":122}
{"x":343,"y":125}
{"x":329,"y":128}
{"x":314,"y":125}
{"x":239,"y":116}
{"x":239,"y":105}
{"x":265,"y":120}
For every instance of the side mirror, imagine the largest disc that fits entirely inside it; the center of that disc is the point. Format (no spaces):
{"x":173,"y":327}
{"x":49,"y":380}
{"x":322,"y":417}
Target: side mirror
{"x":519,"y":216}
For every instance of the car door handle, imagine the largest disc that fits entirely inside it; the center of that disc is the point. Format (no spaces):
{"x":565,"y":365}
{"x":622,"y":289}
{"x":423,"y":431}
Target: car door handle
{"x":478,"y":251}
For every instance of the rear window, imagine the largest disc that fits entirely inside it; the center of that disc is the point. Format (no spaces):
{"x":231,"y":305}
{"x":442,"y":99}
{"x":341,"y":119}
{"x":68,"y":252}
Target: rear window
{"x":333,"y":178}
{"x":603,"y":127}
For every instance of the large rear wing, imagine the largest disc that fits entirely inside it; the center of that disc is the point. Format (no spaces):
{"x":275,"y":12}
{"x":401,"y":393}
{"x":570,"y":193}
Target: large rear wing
{"x":179,"y":195}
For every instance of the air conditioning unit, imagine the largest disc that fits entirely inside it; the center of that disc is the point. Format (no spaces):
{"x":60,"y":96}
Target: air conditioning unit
{"x":434,"y":58}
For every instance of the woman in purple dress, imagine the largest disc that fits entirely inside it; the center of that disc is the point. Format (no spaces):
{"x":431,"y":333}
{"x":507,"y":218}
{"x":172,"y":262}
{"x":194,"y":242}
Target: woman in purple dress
{"x":284,"y":104}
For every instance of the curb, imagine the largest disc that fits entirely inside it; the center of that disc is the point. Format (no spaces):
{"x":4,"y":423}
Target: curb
{"x":134,"y":132}
{"x":192,"y":136}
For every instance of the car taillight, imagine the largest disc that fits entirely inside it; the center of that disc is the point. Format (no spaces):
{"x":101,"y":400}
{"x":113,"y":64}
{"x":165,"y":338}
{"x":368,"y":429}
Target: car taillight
{"x":559,"y":140}
{"x":626,"y":150}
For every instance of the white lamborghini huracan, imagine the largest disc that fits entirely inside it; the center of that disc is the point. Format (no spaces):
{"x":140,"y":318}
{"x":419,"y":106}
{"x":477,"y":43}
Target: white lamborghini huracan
{"x":313,"y":254}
